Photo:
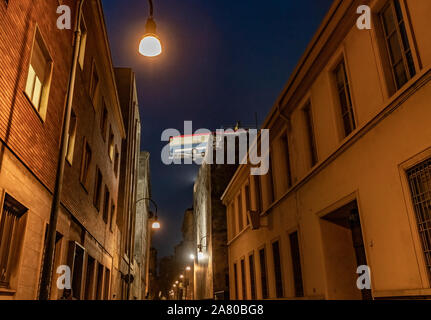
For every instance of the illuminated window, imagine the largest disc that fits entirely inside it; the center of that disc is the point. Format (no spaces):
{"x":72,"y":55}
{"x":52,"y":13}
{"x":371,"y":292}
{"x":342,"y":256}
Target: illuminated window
{"x":39,"y":75}
{"x":83,"y":44}
{"x":72,"y":138}
{"x":111,"y":146}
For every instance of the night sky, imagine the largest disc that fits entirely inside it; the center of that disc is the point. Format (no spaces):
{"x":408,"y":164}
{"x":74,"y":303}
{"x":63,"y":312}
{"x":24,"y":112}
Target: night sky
{"x":222,"y":61}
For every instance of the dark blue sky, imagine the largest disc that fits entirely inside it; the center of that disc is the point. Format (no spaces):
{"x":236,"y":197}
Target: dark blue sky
{"x":223,"y":61}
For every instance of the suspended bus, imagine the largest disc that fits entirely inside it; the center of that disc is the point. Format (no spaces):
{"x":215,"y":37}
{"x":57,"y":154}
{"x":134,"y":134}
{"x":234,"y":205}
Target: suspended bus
{"x":188,"y":146}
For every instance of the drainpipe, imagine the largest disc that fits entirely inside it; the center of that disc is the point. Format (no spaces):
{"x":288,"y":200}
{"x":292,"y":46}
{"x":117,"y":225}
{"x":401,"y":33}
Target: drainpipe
{"x":48,"y":260}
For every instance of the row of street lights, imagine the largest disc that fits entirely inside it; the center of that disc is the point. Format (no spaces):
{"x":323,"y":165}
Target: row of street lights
{"x":176,"y":291}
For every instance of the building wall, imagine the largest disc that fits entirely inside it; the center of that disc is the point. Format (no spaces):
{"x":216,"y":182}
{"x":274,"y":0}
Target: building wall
{"x":29,"y":148}
{"x":129,"y":166}
{"x":142,"y":227}
{"x":211,"y":271}
{"x":368,"y":167}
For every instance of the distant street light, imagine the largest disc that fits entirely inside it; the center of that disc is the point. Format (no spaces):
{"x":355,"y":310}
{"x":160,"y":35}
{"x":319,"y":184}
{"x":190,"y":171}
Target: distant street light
{"x":150,"y":45}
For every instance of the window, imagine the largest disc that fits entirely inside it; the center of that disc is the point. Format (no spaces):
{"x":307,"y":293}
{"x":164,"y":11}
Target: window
{"x":94,"y":87}
{"x":104,"y":120}
{"x":99,"y":284}
{"x":235,"y":272}
{"x":111,"y":147}
{"x":116,"y":161}
{"x":106,"y":206}
{"x":420,"y":185}
{"x":243,"y":281}
{"x":72,"y":138}
{"x":296,"y":264}
{"x":247,"y":202}
{"x":345,"y":99}
{"x":286,"y":149}
{"x":263,"y":273}
{"x":310,"y":133}
{"x":77,"y":252}
{"x":97,"y":189}
{"x":85,"y":165}
{"x":111,"y":222}
{"x":240,"y":218}
{"x":277,"y":269}
{"x":232,"y":217}
{"x":252,"y":276}
{"x":39,"y":75}
{"x":11,"y":235}
{"x":397,"y":43}
{"x":107,"y":282}
{"x":257,"y":193}
{"x":89,"y":278}
{"x":83,"y":43}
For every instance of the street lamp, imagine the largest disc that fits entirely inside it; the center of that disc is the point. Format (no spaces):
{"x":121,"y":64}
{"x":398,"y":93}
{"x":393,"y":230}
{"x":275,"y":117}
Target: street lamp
{"x":156,"y":224}
{"x":150,"y":45}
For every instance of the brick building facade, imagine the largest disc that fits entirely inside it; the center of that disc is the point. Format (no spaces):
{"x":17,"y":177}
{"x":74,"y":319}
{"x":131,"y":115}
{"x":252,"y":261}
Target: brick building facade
{"x":34,"y":70}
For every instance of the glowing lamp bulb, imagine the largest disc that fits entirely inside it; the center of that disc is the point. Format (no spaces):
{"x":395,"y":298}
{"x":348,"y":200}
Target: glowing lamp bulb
{"x":156,"y":225}
{"x":188,"y":268}
{"x":200,"y":255}
{"x":192,"y":256}
{"x":181,"y":276}
{"x":150,"y":46}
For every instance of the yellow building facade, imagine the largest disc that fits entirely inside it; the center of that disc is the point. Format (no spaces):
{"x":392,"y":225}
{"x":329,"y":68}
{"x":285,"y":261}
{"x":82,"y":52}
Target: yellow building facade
{"x":350,"y":166}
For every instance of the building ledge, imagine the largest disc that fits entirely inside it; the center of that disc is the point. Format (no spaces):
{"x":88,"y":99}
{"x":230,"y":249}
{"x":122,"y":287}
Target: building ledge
{"x":407,"y":293}
{"x":7,"y":292}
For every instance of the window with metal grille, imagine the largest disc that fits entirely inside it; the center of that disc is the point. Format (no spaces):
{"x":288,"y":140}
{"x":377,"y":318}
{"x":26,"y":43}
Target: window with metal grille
{"x":252,"y":276}
{"x":277,"y":269}
{"x":11,"y":232}
{"x":263,"y":273}
{"x":296,"y":264}
{"x":420,"y":186}
{"x":343,"y":90}
{"x":397,"y":43}
{"x":243,"y":282}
